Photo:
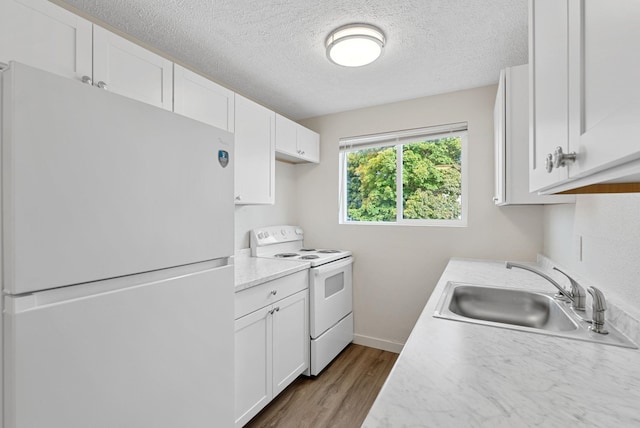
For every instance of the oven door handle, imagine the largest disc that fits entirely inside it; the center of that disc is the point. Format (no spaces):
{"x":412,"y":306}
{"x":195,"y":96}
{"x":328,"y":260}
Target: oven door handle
{"x":332,"y":266}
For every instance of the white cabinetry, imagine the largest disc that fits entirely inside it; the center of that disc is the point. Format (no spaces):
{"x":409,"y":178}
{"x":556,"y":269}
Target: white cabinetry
{"x":511,"y":130}
{"x":46,"y":36}
{"x":40,"y":34}
{"x":604,"y":95}
{"x":201,"y":99}
{"x":131,"y":70}
{"x":295,"y":143}
{"x":271,"y":341}
{"x":584,"y":95}
{"x":548,"y":39}
{"x":255,"y":153}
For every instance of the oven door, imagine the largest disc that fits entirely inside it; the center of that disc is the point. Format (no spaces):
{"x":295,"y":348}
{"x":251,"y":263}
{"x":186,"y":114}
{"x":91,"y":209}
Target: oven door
{"x":331,"y":293}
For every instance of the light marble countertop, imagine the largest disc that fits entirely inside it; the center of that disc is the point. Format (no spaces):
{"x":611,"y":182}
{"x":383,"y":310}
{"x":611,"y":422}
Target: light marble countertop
{"x":457,"y":374}
{"x":252,"y":271}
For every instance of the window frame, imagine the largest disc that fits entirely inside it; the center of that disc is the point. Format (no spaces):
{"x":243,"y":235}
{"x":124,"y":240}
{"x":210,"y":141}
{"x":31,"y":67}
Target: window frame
{"x":398,"y":139}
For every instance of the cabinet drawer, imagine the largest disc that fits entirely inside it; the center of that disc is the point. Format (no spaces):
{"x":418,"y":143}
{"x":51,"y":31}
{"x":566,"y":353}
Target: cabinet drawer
{"x":262,"y":295}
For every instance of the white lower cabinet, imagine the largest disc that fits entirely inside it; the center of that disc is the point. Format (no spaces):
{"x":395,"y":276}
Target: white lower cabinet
{"x":271,"y":342}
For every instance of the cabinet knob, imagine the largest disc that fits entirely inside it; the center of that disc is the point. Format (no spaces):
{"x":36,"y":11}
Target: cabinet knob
{"x":495,"y":199}
{"x":560,"y":159}
{"x":101,"y":85}
{"x":548,"y":162}
{"x":238,"y":198}
{"x":273,"y":292}
{"x":87,"y":80}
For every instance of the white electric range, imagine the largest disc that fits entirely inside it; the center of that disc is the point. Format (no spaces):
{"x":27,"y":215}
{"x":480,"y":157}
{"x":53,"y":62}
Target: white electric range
{"x":330,"y":288}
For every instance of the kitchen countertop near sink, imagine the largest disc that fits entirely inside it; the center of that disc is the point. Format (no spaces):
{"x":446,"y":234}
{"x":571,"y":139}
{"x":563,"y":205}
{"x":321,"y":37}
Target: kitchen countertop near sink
{"x":252,"y":271}
{"x":457,"y":374}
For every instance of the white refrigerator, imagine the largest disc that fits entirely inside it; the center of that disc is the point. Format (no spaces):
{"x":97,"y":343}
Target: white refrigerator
{"x":117,"y":281}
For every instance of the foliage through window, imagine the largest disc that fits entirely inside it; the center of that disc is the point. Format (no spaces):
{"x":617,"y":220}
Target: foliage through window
{"x":408,"y":177}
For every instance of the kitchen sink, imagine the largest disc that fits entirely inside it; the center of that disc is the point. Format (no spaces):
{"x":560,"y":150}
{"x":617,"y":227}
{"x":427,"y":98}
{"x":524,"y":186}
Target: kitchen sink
{"x":523,"y":310}
{"x":510,"y":306}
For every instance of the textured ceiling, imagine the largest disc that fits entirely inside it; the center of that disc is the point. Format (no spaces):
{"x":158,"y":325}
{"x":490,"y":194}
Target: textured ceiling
{"x":273,"y":50}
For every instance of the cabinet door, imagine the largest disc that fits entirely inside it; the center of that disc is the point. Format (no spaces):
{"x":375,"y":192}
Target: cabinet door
{"x":604,"y":92}
{"x":549,"y":121}
{"x":499,"y":131}
{"x":201,"y":99}
{"x":255,"y":153}
{"x":43,"y":35}
{"x":290,"y":340}
{"x":131,"y":70}
{"x":308,"y":144}
{"x":286,"y":135}
{"x":253,"y":368}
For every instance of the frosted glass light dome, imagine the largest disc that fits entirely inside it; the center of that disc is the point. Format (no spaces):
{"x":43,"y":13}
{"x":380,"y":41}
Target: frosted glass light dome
{"x":355,"y":45}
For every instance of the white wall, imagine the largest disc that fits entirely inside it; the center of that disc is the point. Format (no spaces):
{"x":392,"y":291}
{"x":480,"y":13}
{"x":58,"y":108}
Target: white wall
{"x":249,"y":217}
{"x":397,"y":267}
{"x":609,"y":226}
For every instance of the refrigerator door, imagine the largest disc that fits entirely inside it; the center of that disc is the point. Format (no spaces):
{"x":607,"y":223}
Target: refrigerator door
{"x":151,"y":350}
{"x":96,"y":185}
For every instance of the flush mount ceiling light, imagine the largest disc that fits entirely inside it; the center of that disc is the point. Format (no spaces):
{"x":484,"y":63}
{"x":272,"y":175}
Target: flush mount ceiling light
{"x":355,"y":45}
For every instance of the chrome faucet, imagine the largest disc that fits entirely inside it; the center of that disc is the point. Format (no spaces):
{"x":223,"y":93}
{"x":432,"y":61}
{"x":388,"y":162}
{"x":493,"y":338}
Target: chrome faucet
{"x":577,"y":293}
{"x":599,"y":305}
{"x":576,"y":296}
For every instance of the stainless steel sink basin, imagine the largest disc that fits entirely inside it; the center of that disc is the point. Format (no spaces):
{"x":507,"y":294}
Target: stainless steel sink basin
{"x":510,"y":306}
{"x":516,"y":309}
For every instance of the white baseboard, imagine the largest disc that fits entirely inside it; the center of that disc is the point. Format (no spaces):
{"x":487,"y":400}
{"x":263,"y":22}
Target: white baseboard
{"x":374,"y":342}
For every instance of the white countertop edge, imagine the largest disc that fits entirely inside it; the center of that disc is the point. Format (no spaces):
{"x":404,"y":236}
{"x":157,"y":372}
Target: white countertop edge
{"x":252,"y":271}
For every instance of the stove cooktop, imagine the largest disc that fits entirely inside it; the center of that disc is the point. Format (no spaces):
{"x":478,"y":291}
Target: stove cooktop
{"x":286,"y":243}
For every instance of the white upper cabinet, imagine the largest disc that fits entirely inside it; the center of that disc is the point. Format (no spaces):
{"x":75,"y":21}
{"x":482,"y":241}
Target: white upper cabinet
{"x":40,"y":34}
{"x":131,"y":70}
{"x":44,"y":35}
{"x":295,"y":143}
{"x":585,"y":100}
{"x":201,"y":99}
{"x":511,"y":127}
{"x":548,"y":103}
{"x":308,"y":145}
{"x":255,"y":153}
{"x":604,"y":97}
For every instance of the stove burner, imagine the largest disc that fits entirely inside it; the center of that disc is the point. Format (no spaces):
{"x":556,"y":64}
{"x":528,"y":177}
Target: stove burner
{"x":328,"y":251}
{"x":307,"y":249}
{"x":285,"y":255}
{"x":310,"y":257}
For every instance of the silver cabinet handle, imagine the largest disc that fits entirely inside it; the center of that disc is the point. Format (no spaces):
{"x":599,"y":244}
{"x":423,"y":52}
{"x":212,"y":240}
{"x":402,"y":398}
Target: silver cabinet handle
{"x":276,"y":309}
{"x":101,"y":85}
{"x":87,"y":80}
{"x":560,"y":159}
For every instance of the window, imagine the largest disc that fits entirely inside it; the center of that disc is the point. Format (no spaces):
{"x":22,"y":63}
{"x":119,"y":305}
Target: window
{"x":413,"y":177}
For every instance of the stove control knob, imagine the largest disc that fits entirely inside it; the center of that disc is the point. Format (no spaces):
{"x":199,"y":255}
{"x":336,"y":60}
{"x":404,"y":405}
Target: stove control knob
{"x":260,"y":235}
{"x":266,"y":234}
{"x":298,"y":231}
{"x":284,"y":232}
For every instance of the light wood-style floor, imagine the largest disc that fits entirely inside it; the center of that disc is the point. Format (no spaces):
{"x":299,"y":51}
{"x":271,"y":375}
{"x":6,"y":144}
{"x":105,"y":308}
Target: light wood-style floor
{"x":340,"y":397}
